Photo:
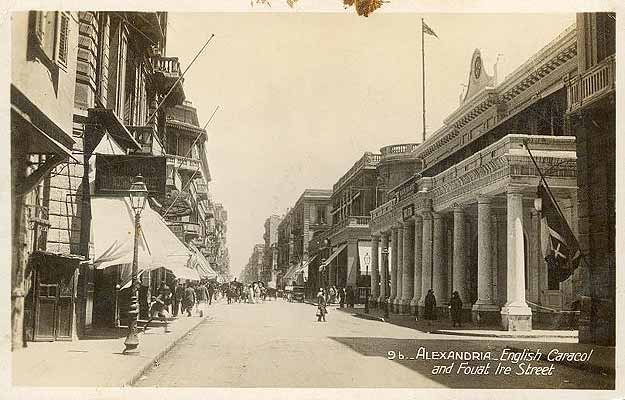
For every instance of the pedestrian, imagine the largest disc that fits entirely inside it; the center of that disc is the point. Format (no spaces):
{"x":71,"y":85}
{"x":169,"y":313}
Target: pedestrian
{"x":430,"y":306}
{"x":188,"y":301}
{"x":166,"y":292}
{"x":349,"y":296}
{"x":158,"y":309}
{"x":178,"y":295}
{"x":332,"y":294}
{"x":201,"y":294}
{"x":341,"y":297}
{"x":321,"y":306}
{"x":211,"y":293}
{"x":455,"y":306}
{"x":257,"y":292}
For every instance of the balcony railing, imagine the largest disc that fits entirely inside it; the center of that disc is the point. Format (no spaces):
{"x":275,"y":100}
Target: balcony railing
{"x":592,"y":84}
{"x":146,"y":136}
{"x":166,"y":65}
{"x":384,"y":208}
{"x":367,"y":160}
{"x":397,"y":150}
{"x":186,"y":163}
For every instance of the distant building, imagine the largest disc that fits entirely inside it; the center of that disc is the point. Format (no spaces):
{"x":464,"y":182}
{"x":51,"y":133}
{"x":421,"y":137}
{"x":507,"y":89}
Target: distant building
{"x":310,"y":214}
{"x":270,"y":257}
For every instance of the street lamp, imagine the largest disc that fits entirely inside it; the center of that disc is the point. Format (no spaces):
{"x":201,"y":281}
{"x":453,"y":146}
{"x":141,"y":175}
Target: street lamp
{"x":138,"y":195}
{"x":386,"y":283}
{"x":367,"y":260}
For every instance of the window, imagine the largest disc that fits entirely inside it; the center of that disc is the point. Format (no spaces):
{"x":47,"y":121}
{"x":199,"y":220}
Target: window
{"x":50,"y":33}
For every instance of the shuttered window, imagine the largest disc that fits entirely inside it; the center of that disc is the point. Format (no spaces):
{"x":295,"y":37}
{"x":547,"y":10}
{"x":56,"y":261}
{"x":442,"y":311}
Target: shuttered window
{"x":62,"y":48}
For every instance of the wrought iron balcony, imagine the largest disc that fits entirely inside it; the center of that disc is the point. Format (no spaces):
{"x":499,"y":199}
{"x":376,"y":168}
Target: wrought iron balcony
{"x":183,"y":163}
{"x":592,"y":84}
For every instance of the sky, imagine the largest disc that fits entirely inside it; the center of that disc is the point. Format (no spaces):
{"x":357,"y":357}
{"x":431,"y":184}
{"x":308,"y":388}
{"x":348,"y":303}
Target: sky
{"x":302,"y":96}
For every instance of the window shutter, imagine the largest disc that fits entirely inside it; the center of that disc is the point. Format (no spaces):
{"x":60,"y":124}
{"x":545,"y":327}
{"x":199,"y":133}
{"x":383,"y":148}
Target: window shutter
{"x":63,"y":39}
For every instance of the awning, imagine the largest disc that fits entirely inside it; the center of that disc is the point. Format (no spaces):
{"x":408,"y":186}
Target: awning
{"x":332,"y":257}
{"x":199,"y":263}
{"x":304,"y":266}
{"x":290,"y":271}
{"x":113,"y":238}
{"x":114,"y":126}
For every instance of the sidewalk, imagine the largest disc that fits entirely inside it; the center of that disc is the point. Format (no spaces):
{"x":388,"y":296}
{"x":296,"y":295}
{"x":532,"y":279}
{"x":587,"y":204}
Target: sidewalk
{"x":97,"y":360}
{"x":602,"y":359}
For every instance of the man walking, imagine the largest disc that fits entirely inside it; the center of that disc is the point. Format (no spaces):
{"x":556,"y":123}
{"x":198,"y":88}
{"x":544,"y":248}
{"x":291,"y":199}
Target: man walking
{"x":189,"y":299}
{"x":211,"y":293}
{"x":178,"y":297}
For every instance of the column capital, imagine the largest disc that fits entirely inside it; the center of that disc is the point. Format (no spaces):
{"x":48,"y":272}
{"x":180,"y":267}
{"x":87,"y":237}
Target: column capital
{"x":514,"y":189}
{"x":375,"y":237}
{"x":417,"y":219}
{"x":426,"y":215}
{"x":437,"y":215}
{"x":483,"y":199}
{"x":458,"y":208}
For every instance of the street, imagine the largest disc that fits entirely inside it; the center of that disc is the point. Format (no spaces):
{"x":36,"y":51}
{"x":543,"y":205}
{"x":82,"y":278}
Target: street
{"x":280,"y":344}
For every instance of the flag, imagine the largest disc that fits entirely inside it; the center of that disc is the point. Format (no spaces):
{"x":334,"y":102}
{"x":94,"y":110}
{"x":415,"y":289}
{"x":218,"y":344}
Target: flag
{"x":364,"y":7}
{"x":561,"y":249}
{"x":428,"y":30}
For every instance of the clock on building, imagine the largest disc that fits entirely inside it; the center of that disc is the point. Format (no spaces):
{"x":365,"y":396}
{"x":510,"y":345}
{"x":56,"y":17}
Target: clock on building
{"x":477,"y":67}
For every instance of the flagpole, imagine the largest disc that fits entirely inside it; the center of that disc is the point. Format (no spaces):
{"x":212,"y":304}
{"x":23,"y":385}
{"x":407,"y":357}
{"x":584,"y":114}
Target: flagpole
{"x":542,"y":177}
{"x":423,"y":75}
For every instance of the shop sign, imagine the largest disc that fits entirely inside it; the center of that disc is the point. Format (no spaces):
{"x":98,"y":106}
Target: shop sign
{"x":115,"y":173}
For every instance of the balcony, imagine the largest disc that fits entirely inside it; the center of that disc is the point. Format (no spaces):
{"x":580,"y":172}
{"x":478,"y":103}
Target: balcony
{"x":397,"y":152}
{"x":368,"y":160}
{"x":384,"y":208}
{"x":183,"y":163}
{"x":591,"y":85}
{"x":167,"y":73}
{"x":146,"y":136}
{"x":201,"y":189}
{"x":360,"y":221}
{"x":185,"y":229}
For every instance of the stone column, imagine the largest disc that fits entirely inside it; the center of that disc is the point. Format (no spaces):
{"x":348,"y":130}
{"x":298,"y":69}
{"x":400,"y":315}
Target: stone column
{"x":484,"y":307}
{"x":426,"y":259}
{"x":383,"y":270}
{"x":408,"y":268}
{"x":393,"y":265}
{"x":400,"y":267}
{"x":418,"y":267}
{"x":375,"y":269}
{"x":494,"y":259}
{"x":459,"y":252}
{"x":535,"y":257}
{"x":439,"y":269}
{"x":516,"y":315}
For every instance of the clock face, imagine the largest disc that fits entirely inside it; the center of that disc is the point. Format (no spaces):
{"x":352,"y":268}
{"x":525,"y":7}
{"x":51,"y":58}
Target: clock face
{"x":477,"y":67}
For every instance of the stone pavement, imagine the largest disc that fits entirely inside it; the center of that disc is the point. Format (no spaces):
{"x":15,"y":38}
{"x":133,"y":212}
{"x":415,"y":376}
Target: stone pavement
{"x":97,"y":360}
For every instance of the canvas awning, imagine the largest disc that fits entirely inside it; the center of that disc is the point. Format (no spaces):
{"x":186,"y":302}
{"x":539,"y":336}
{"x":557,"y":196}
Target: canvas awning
{"x":199,"y":263}
{"x":113,"y":238}
{"x":332,"y":257}
{"x":304,"y":265}
{"x":364,"y":256}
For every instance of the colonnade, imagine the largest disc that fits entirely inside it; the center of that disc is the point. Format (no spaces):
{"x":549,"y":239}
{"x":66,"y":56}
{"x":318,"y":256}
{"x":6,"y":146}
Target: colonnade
{"x":419,"y":262}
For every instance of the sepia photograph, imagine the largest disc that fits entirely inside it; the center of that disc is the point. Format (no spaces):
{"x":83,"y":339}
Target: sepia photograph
{"x":321,"y":195}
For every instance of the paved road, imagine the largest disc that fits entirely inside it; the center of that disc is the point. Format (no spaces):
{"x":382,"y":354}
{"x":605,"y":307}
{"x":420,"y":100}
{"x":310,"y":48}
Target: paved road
{"x":280,"y":344}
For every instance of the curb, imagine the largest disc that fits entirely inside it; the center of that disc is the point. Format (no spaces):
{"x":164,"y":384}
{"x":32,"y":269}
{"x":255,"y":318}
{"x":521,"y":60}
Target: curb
{"x":577,"y":365}
{"x":135,"y":377}
{"x":502,"y":335}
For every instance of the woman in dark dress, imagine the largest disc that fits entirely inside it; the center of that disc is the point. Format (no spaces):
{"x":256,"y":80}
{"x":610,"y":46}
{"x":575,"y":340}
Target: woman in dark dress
{"x":430,"y":306}
{"x":455,"y":306}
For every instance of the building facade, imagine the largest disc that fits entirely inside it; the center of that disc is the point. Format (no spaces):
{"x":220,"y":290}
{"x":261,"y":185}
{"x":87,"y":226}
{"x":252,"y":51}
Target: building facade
{"x":94,"y":101}
{"x":270,"y":256}
{"x":310,"y":215}
{"x":466,"y":220}
{"x":254,"y":267}
{"x":591,"y":118}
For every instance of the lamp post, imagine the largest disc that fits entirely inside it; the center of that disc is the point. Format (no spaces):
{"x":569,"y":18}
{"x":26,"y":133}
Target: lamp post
{"x":138,"y":195}
{"x":386,"y":282}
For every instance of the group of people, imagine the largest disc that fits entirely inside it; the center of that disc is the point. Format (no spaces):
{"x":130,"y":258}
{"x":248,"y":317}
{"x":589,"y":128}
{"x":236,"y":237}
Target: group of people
{"x":252,"y":293}
{"x":189,"y":297}
{"x":455,"y":308}
{"x":342,"y":296}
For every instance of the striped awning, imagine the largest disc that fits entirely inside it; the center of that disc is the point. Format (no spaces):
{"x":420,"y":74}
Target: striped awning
{"x":332,"y":257}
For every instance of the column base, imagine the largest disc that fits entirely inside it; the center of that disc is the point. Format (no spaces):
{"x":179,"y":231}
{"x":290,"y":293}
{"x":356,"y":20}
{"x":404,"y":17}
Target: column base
{"x":404,"y":306}
{"x":484,"y":314}
{"x":414,"y":306}
{"x":516,"y":318}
